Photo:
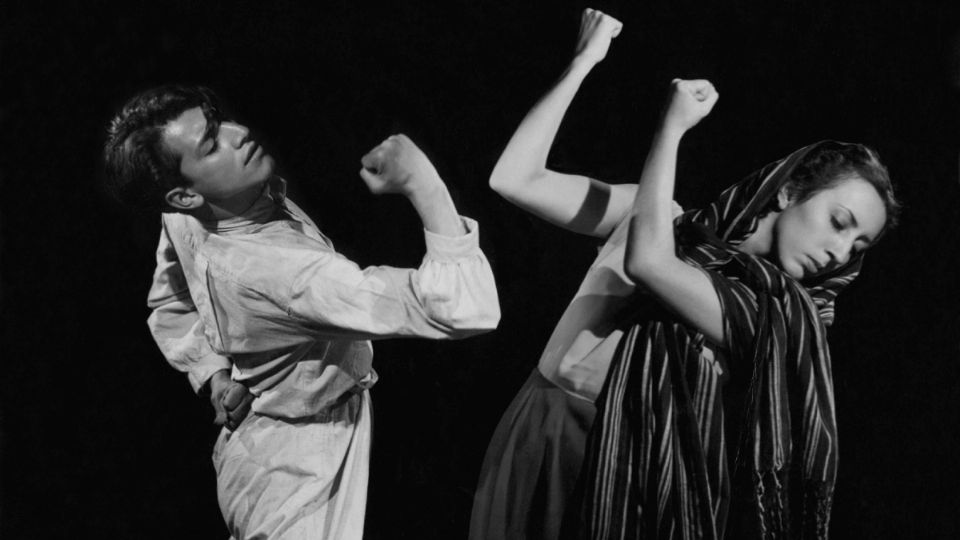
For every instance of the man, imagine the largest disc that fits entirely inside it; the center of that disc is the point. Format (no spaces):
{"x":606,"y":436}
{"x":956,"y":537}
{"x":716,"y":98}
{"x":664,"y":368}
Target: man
{"x":246,"y":282}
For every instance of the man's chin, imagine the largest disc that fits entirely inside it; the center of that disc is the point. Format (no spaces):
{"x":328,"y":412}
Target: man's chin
{"x":265,"y":176}
{"x":268,"y":165}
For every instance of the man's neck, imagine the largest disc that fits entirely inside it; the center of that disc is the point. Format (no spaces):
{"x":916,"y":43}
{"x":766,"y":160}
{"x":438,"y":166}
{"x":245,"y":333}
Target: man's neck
{"x":232,"y":207}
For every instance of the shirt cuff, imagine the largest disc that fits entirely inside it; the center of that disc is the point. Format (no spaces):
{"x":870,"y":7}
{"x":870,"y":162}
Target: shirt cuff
{"x":200,"y":374}
{"x":448,"y":248}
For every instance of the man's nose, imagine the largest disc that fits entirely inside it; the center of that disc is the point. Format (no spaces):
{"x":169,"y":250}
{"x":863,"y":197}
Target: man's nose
{"x":238,"y":134}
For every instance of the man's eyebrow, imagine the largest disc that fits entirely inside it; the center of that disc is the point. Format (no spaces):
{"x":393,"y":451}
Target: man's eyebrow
{"x":209,"y":132}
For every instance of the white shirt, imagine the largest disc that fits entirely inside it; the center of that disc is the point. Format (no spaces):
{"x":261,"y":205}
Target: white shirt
{"x":267,"y":291}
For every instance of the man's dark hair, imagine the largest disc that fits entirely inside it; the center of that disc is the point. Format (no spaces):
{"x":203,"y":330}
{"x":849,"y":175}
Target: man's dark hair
{"x":140,"y":169}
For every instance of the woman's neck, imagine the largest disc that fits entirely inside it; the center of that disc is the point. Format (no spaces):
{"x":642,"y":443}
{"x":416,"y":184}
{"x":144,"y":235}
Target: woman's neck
{"x":760,"y":243}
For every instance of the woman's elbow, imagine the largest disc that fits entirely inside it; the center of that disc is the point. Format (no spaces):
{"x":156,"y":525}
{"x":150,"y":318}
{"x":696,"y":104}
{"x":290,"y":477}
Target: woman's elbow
{"x":502,"y":174}
{"x":504,"y":181}
{"x":635,"y":269}
{"x":498,"y":182}
{"x":642,"y":265}
{"x":508,"y":181}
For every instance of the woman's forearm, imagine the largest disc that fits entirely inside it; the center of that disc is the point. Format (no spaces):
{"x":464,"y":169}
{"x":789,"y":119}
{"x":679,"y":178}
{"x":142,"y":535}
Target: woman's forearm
{"x":525,"y":156}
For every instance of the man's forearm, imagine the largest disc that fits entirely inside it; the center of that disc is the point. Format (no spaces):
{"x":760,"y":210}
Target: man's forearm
{"x":436,"y":209}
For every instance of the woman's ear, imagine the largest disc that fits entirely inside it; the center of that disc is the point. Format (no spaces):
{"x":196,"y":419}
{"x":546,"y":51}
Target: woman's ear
{"x":184,"y":198}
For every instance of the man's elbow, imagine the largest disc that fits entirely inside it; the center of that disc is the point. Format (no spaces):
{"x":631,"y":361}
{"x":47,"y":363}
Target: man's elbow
{"x":480,"y":321}
{"x":490,"y":319}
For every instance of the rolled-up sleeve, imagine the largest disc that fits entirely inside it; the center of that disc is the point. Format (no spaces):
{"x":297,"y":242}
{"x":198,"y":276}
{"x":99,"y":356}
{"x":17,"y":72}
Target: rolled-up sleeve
{"x":175,"y":323}
{"x":456,"y":283}
{"x":451,"y":295}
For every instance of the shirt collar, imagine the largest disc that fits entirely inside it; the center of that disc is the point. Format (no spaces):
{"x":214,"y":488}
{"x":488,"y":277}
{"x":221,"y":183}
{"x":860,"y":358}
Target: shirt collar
{"x":263,"y":210}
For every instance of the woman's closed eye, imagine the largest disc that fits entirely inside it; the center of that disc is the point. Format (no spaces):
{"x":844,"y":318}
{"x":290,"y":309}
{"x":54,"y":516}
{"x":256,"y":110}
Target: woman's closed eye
{"x":837,"y":223}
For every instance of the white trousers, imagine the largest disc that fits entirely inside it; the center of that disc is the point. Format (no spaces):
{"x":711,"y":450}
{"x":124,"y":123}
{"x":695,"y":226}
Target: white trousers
{"x":301,"y":480}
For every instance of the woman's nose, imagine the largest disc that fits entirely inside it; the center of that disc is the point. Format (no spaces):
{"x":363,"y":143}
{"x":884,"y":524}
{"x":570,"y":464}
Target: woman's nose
{"x":840,"y":250}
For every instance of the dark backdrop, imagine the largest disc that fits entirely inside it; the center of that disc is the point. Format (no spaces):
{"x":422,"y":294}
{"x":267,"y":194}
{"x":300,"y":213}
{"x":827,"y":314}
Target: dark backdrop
{"x":100,"y":438}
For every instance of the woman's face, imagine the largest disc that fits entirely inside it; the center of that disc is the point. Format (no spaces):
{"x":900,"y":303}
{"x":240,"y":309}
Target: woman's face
{"x":818,"y":235}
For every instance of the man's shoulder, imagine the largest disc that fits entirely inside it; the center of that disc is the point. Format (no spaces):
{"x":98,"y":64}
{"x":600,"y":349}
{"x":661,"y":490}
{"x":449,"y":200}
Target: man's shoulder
{"x":271,"y":255}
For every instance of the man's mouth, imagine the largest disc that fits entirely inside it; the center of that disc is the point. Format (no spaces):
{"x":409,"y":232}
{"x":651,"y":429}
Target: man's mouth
{"x":251,"y":152}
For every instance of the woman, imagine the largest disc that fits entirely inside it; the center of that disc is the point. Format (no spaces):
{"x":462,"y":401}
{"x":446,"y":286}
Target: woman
{"x":534,"y":458}
{"x":745,"y":289}
{"x":536,"y":453}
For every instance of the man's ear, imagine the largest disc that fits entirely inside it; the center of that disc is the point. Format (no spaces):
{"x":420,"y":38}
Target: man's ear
{"x":784,"y":199}
{"x":184,"y":198}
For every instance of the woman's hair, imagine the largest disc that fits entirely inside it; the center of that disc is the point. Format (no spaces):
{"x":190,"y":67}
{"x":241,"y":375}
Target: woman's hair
{"x":140,"y":169}
{"x":830,"y":163}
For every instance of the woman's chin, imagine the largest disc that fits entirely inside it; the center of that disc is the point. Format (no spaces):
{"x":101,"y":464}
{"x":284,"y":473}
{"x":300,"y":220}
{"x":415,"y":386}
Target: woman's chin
{"x":794,"y":270}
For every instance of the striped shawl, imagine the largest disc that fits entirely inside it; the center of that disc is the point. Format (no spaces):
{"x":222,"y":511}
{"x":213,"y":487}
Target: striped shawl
{"x":663,"y":459}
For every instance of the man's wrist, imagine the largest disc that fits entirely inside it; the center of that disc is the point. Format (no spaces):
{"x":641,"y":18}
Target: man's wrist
{"x":206,"y":389}
{"x":423,"y":188}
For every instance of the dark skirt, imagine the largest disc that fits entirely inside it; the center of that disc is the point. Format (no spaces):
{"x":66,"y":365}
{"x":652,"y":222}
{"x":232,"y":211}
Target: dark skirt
{"x":531,"y":466}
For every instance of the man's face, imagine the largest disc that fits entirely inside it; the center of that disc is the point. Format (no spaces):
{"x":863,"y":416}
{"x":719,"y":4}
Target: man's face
{"x":218,"y":158}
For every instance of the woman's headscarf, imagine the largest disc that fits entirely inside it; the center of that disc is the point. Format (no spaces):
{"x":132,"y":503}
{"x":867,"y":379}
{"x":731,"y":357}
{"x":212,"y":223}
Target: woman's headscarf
{"x":734,"y":216}
{"x":657,"y":458}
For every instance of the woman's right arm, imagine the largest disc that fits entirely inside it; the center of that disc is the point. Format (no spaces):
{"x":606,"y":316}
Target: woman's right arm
{"x":650,"y":256}
{"x":577,"y":203}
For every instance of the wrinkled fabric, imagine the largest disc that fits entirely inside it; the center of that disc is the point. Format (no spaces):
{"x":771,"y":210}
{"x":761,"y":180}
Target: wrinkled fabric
{"x":267,"y":291}
{"x":531,"y":466}
{"x":298,"y":480}
{"x":534,"y":457}
{"x":266,"y":294}
{"x":579,"y":351}
{"x":672,"y":420}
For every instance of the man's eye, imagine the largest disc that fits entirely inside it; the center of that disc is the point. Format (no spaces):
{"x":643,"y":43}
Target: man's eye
{"x":836,"y":223}
{"x":213,"y":147}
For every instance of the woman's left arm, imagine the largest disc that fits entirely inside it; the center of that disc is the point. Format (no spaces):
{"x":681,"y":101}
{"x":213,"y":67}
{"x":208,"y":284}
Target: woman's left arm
{"x":650,"y":251}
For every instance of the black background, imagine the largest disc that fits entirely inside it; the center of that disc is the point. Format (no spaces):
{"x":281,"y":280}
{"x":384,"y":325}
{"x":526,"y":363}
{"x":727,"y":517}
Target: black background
{"x":100,"y":438}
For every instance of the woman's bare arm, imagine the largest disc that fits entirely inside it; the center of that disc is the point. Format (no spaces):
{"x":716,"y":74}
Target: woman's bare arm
{"x":577,"y":203}
{"x":650,"y":252}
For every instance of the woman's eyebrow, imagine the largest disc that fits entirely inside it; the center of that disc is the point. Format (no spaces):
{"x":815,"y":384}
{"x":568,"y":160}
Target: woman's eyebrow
{"x":853,"y":218}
